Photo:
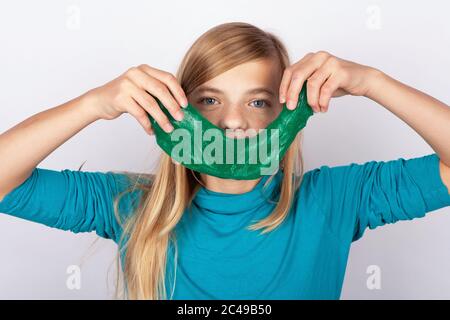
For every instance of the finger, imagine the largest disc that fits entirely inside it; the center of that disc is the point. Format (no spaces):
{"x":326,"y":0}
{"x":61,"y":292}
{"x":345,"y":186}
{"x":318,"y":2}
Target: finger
{"x":313,"y":85}
{"x":171,"y":82}
{"x":327,"y":90}
{"x":298,"y":78}
{"x":301,"y":73}
{"x":286,"y":78}
{"x":159,"y":90}
{"x":147,"y":103}
{"x":138,"y":113}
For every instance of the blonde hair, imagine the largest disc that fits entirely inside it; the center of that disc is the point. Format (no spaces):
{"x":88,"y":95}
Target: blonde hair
{"x":166,"y":194}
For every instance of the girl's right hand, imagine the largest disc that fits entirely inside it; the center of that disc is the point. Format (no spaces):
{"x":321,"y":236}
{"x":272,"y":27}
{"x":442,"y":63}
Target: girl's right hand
{"x":130,"y":93}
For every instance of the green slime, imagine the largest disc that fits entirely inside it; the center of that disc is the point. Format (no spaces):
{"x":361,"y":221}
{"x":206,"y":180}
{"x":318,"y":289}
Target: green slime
{"x":243,"y":162}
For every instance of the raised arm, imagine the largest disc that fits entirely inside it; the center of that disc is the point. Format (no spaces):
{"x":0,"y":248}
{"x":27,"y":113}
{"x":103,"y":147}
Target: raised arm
{"x":328,"y":76}
{"x":25,"y":145}
{"x":358,"y":196}
{"x":429,"y":117}
{"x":75,"y":200}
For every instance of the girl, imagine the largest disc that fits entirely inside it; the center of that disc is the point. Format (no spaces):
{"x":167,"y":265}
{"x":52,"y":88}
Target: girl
{"x":185,"y":235}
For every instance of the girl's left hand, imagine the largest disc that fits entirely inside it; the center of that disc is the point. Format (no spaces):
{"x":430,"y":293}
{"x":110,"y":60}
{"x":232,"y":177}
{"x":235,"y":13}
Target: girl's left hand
{"x":327,"y":76}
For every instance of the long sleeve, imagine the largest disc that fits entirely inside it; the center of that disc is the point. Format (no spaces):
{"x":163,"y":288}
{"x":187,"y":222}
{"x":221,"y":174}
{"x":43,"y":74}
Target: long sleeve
{"x":358,"y":196}
{"x":72,"y":200}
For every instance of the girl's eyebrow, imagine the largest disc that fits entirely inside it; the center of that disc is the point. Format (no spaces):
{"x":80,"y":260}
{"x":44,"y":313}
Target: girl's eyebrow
{"x":251,"y":91}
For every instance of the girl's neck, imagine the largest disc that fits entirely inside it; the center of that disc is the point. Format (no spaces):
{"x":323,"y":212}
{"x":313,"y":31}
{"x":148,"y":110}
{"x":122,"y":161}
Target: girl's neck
{"x":231,"y":186}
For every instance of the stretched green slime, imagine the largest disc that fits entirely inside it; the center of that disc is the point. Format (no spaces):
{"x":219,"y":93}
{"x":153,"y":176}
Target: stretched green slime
{"x":242,"y":162}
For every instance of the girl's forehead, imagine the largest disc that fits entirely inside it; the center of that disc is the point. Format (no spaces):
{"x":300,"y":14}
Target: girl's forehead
{"x":259,"y":76}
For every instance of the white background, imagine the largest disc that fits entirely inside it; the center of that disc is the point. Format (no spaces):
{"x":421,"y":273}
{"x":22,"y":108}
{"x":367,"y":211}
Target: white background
{"x":53,"y":51}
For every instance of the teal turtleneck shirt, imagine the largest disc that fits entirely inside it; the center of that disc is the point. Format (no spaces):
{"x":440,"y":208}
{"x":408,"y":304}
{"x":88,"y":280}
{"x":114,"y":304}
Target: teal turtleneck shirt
{"x":218,"y":257}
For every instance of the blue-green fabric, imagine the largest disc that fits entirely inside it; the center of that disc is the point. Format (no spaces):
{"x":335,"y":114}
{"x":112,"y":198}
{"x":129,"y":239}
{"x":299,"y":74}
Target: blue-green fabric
{"x":218,"y":257}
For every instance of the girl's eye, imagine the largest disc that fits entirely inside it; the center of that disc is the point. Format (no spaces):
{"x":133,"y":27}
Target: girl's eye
{"x":259,"y":103}
{"x":262,"y":103}
{"x":207,"y":100}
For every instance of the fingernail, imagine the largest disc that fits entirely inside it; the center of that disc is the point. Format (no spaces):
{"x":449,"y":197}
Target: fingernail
{"x":168,"y":127}
{"x":290,"y":104}
{"x":184,"y":103}
{"x":282,"y":99}
{"x":179,"y":115}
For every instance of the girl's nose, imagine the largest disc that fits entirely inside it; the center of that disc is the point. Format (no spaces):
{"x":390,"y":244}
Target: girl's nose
{"x":232,"y":118}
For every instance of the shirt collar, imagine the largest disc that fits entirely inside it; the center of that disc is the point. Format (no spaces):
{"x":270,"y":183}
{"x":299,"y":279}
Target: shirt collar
{"x":228,"y":203}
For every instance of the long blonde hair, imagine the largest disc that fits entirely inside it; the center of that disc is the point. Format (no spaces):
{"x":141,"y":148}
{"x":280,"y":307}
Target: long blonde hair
{"x":166,"y":194}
